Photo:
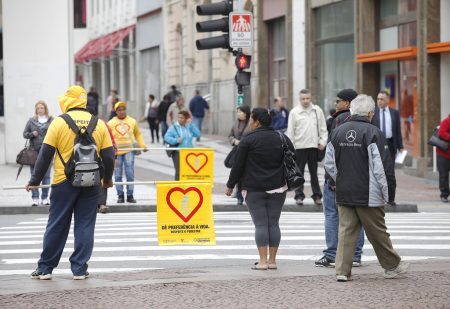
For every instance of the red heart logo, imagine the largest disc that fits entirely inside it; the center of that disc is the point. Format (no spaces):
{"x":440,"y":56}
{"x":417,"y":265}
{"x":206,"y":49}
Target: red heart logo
{"x":197,"y":155}
{"x":184,"y":192}
{"x":122,"y":129}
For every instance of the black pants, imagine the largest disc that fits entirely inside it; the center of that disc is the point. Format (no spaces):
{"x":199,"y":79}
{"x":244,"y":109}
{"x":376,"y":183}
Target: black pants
{"x":392,"y":148}
{"x":302,"y":157}
{"x":443,"y":165}
{"x":154,"y":128}
{"x":176,"y":164}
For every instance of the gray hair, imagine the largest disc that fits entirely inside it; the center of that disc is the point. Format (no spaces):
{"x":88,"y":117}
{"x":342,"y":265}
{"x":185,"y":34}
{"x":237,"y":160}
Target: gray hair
{"x":362,"y":105}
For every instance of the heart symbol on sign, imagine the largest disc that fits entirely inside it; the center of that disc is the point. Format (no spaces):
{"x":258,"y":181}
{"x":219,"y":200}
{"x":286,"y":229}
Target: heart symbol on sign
{"x":196,"y":167}
{"x":184,"y":192}
{"x":122,"y":129}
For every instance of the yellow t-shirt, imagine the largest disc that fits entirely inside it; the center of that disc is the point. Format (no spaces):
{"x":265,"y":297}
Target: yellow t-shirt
{"x":61,"y":137}
{"x":124,"y":131}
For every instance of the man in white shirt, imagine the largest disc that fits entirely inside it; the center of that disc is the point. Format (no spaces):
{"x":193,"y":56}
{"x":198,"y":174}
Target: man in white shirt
{"x":307,"y":130}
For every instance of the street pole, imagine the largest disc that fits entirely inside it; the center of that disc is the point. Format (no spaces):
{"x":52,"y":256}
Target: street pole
{"x":240,"y":95}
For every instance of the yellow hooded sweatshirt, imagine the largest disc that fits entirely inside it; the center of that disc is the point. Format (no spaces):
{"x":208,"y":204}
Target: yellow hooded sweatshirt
{"x":61,"y":137}
{"x":125,"y":131}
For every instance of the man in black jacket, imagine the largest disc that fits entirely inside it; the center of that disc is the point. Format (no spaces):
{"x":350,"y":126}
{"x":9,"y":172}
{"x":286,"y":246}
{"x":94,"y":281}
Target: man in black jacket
{"x":342,"y":115}
{"x":358,"y":160}
{"x":388,"y":121}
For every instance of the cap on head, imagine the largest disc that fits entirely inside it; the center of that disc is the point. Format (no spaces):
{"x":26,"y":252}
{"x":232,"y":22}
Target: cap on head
{"x":119,"y":104}
{"x":347,"y":94}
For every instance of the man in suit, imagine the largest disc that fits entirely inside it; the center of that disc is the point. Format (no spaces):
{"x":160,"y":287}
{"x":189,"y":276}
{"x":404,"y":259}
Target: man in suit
{"x":388,"y":121}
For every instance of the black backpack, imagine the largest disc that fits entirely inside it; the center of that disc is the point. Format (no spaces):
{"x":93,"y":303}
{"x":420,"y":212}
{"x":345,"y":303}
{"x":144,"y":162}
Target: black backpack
{"x":84,"y":167}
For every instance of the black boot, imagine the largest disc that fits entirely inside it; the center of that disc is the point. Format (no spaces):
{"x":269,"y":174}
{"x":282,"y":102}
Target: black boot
{"x":130,"y":199}
{"x":120,"y":199}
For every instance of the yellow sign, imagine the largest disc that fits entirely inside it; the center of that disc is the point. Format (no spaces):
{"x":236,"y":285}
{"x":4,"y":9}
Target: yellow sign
{"x":184,"y":213}
{"x":197,"y":164}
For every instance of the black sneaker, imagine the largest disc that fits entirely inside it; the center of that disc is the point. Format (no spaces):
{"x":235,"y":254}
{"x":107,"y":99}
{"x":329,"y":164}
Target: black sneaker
{"x":40,"y":275}
{"x":130,"y":199}
{"x":120,"y":199}
{"x":444,"y":199}
{"x":324,"y":262}
{"x":81,"y":277}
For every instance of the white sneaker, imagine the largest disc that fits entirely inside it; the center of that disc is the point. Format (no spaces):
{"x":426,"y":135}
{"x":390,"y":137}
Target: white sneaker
{"x":46,"y":201}
{"x":401,"y":268}
{"x":343,"y":278}
{"x":35,"y":202}
{"x":81,"y":277}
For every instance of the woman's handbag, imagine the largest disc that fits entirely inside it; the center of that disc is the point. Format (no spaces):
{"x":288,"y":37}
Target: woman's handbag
{"x":229,"y":160}
{"x":293,"y":176}
{"x":438,"y":142}
{"x":27,"y":156}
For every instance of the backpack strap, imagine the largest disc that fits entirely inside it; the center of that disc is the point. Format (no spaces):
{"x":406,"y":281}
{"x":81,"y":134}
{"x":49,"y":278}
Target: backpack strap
{"x":92,"y":125}
{"x":72,"y":125}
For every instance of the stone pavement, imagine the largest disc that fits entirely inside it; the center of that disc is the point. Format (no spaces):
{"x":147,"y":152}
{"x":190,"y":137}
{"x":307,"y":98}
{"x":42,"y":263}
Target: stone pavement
{"x":293,"y":285}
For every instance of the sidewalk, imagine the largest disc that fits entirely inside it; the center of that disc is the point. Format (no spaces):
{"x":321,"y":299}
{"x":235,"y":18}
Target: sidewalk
{"x":413,"y":193}
{"x":293,"y":285}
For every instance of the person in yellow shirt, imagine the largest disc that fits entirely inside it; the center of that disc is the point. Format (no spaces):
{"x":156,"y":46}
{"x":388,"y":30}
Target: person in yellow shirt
{"x":126,"y":133}
{"x":67,"y":199}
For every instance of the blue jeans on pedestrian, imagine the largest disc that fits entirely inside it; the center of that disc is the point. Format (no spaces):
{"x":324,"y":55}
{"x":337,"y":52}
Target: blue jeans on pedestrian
{"x":164,"y":128}
{"x":197,"y":121}
{"x":330,"y":211}
{"x":66,"y":199}
{"x":45,"y":181}
{"x":125,"y":161}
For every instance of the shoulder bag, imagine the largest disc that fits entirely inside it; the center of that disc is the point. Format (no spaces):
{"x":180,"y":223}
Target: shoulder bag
{"x":292,"y":174}
{"x":438,"y":142}
{"x":27,"y":156}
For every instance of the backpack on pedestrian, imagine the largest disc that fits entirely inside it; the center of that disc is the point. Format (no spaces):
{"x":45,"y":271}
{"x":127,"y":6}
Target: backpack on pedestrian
{"x":84,"y":167}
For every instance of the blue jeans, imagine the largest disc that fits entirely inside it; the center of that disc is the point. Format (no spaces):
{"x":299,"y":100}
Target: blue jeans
{"x":330,"y":211}
{"x":66,"y":199}
{"x":45,"y":181}
{"x":197,"y":121}
{"x":125,"y":161}
{"x":164,"y":128}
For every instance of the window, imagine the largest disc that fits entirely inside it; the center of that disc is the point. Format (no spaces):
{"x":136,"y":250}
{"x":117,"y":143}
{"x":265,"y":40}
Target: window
{"x":277,"y":54}
{"x":79,"y":13}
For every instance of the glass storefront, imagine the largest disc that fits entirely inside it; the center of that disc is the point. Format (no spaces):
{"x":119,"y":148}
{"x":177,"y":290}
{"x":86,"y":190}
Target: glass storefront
{"x":335,"y":51}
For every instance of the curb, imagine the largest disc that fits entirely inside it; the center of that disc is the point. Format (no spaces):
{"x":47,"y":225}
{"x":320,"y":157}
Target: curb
{"x":26,"y":210}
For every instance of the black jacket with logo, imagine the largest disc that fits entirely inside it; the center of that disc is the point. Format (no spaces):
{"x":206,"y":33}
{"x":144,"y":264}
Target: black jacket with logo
{"x":358,"y":159}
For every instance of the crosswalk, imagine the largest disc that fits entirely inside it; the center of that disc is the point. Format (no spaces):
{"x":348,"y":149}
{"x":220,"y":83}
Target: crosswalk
{"x":128,"y":242}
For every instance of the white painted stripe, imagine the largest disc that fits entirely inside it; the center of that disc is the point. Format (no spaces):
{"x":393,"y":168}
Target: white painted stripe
{"x":222,"y":247}
{"x":202,"y":257}
{"x":220,"y":238}
{"x":59,"y":271}
{"x":219,"y":231}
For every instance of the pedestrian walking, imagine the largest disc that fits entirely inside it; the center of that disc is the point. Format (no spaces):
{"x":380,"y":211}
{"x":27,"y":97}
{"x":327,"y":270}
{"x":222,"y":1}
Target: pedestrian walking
{"x":162,"y":114}
{"x":198,"y":106}
{"x":387,"y":120}
{"x":330,"y":211}
{"x":35,"y":130}
{"x":308,"y":132}
{"x":151,"y":114}
{"x":127,"y":135}
{"x":173,"y":94}
{"x":260,"y":169}
{"x":358,"y":160}
{"x":180,"y":135}
{"x":239,"y":129}
{"x":66,"y":198}
{"x":443,"y":160}
{"x":111,"y":100}
{"x":174,"y":110}
{"x":280,"y":115}
{"x":92,"y":101}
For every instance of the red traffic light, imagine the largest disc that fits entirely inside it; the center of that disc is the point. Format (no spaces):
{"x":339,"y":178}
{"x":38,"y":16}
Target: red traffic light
{"x":243,"y":61}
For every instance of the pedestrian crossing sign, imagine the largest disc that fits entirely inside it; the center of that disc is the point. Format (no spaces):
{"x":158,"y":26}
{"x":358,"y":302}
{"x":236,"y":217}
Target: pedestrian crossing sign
{"x":184,"y":213}
{"x":197,"y":164}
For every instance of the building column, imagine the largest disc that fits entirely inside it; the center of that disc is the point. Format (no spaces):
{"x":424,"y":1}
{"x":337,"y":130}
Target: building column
{"x":428,"y":74}
{"x":112,"y":74}
{"x":132,"y":68}
{"x":122,"y":87}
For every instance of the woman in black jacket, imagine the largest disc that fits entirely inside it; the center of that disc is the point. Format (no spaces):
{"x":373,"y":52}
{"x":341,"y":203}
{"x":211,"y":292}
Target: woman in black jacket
{"x":259,"y":168}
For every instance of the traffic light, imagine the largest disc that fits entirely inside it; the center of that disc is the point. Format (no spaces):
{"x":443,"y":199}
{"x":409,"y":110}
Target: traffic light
{"x":242,"y":62}
{"x":220,"y":8}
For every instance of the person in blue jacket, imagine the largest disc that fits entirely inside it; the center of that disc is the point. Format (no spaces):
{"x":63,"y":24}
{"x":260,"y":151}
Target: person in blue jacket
{"x":181,"y":134}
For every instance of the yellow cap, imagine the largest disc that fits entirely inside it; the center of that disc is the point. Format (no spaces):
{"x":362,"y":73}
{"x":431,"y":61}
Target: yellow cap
{"x":75,"y":96}
{"x":119,"y":104}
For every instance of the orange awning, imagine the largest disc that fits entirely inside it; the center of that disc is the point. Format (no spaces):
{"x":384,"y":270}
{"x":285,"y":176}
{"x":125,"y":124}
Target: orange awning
{"x":441,"y":47}
{"x":102,"y":46}
{"x":387,"y":55}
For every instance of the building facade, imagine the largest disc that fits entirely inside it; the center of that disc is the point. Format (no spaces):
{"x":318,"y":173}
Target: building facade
{"x":393,"y":45}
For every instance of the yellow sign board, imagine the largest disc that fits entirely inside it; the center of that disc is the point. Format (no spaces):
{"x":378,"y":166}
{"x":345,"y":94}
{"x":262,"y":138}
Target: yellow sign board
{"x":197,"y":164}
{"x":184,"y":213}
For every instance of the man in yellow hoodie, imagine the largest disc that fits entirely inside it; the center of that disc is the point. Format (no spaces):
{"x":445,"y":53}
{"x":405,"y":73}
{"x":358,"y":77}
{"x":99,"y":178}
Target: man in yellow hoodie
{"x":67,"y":198}
{"x":127,"y":135}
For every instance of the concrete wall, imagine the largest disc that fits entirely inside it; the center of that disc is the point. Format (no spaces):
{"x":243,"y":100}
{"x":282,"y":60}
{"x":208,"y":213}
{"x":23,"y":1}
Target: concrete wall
{"x":298,"y":48}
{"x":445,"y":59}
{"x":37,"y":62}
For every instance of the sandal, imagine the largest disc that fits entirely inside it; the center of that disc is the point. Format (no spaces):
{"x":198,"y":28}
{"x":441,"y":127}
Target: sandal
{"x":272,"y":266}
{"x":258,"y":266}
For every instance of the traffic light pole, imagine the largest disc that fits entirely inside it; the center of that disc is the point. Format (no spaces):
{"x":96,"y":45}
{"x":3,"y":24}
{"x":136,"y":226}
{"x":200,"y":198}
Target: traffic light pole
{"x":240,"y":95}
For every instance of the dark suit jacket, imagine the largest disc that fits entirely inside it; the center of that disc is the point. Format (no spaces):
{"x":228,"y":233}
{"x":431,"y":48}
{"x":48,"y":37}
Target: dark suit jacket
{"x":395,"y":121}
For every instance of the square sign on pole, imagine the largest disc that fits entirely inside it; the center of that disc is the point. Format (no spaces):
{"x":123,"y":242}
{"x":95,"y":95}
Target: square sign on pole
{"x":241,"y":29}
